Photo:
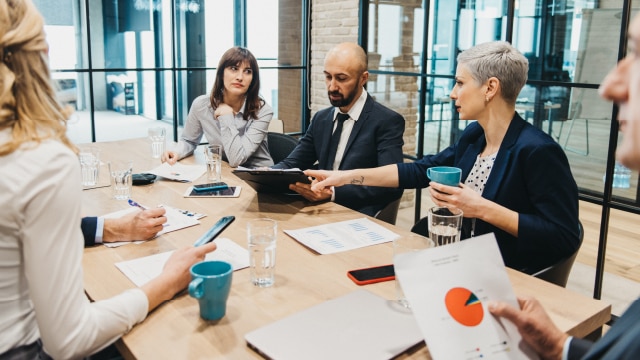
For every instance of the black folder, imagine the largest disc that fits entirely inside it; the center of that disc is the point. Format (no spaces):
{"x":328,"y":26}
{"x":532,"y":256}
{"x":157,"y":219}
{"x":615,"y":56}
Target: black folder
{"x":271,"y":181}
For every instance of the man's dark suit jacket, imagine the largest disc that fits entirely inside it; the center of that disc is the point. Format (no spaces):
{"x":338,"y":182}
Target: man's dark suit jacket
{"x":88,"y":226}
{"x":376,"y":140}
{"x":621,"y":342}
{"x":531,"y":176}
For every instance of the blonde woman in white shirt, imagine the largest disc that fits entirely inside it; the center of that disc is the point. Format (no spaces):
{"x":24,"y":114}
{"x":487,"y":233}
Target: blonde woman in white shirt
{"x":43,"y":309}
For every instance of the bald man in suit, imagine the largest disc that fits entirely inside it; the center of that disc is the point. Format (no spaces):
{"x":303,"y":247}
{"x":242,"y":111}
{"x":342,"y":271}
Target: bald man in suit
{"x":370,"y":134}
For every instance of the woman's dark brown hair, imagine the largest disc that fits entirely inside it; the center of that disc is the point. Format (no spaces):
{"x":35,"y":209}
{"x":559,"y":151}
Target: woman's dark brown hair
{"x":234,"y":57}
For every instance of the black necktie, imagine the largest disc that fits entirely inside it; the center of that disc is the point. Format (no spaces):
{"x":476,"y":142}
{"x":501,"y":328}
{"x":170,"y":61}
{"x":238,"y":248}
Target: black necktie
{"x":335,"y":139}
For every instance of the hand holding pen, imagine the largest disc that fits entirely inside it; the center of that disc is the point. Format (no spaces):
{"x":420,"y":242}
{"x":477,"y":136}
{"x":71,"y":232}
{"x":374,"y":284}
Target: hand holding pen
{"x":139,"y":225}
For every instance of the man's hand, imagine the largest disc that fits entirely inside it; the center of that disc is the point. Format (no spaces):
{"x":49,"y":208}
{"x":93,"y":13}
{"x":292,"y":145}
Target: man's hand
{"x":169,"y":157}
{"x":534,"y":325}
{"x":313,"y":196}
{"x":140,"y":225}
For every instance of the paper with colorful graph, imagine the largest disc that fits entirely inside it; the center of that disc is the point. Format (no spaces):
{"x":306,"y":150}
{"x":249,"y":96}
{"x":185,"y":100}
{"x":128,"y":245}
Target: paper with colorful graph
{"x":448,"y":288}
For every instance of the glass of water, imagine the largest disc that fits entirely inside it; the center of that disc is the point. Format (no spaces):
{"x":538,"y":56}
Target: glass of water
{"x":445,"y":225}
{"x":157,"y":136}
{"x":120,"y":172}
{"x":213,"y":157}
{"x":261,"y":236}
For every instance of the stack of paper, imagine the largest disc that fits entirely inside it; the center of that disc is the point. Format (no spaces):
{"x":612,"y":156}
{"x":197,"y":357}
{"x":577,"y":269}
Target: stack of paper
{"x":342,"y":236}
{"x":179,"y":172}
{"x":143,"y":269}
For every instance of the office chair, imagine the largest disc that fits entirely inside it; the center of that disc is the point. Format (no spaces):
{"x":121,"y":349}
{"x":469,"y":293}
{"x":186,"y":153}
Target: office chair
{"x":575,"y":113}
{"x":280,"y":145}
{"x":558,"y":273}
{"x":389,"y":213}
{"x":421,"y":227}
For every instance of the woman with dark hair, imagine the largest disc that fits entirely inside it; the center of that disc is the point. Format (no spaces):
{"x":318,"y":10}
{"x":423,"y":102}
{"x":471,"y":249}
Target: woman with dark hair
{"x":233,"y":115}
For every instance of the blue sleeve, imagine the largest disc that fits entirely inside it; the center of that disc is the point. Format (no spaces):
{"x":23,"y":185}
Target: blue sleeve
{"x":89,"y":225}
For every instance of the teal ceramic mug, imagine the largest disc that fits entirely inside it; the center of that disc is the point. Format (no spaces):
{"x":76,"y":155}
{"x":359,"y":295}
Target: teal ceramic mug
{"x":211,"y":284}
{"x":445,"y":175}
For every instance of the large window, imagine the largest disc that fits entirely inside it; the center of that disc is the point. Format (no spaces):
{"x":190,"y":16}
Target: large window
{"x":131,"y":64}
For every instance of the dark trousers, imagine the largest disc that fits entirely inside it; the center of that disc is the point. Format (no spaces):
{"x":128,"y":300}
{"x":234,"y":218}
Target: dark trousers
{"x":33,"y":351}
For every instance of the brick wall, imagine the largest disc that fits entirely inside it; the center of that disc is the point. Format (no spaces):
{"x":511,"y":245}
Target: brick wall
{"x":334,"y":22}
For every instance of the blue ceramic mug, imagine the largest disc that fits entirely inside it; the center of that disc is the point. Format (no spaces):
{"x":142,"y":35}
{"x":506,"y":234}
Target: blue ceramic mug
{"x":445,"y":175}
{"x":211,"y":284}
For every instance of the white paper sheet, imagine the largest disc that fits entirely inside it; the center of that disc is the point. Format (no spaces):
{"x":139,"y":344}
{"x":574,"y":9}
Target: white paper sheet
{"x":143,"y":269}
{"x":342,"y":236}
{"x":176,"y":220}
{"x":448,"y":288}
{"x":179,"y":172}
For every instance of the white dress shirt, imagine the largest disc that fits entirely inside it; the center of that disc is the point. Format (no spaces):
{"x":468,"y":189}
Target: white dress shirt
{"x":41,"y":245}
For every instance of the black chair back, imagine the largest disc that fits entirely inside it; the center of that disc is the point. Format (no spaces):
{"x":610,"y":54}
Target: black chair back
{"x":280,"y":145}
{"x":558,"y":273}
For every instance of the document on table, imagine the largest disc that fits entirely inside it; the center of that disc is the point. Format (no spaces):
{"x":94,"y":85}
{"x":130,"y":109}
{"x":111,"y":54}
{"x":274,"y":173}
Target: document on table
{"x":176,"y":219}
{"x":342,"y":236}
{"x":449,"y":287}
{"x":179,"y":172}
{"x":143,"y":269}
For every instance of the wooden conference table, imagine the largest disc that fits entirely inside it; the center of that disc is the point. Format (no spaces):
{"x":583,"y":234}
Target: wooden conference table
{"x":303,"y":278}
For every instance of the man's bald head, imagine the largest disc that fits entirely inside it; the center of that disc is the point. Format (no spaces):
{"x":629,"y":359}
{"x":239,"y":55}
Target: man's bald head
{"x":351,"y":52}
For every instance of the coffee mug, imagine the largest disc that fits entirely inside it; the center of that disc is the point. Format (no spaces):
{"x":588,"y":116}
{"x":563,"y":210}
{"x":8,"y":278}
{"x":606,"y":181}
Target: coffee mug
{"x":211,"y":284}
{"x":445,"y":175}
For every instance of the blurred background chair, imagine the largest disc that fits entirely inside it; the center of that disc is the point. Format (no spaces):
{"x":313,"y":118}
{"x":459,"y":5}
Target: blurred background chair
{"x":575,"y":113}
{"x":280,"y":145}
{"x":558,"y":273}
{"x":389,"y":213}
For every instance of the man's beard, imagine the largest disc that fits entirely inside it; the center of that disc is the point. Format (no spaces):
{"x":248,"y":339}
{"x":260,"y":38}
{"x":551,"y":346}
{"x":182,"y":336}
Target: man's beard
{"x":342,"y":102}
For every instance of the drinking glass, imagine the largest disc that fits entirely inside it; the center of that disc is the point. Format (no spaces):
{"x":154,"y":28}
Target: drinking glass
{"x":157,"y":136}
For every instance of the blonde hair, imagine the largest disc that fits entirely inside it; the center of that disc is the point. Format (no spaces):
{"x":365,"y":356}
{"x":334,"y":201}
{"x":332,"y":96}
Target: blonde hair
{"x":501,"y":60}
{"x":28,"y":104}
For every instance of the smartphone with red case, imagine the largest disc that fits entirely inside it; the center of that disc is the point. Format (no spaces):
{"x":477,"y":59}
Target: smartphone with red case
{"x":372,"y":275}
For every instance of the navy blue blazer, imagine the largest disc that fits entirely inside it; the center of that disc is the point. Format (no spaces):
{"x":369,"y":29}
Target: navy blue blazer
{"x":531,"y":175}
{"x":88,"y":226}
{"x":376,"y":140}
{"x":621,"y":342}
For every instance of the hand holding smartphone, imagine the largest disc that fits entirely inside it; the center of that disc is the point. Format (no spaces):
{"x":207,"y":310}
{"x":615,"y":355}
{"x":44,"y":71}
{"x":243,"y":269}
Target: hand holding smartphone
{"x":372,"y":275}
{"x":215,"y":230}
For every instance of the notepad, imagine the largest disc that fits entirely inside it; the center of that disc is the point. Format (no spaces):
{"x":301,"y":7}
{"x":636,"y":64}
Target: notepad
{"x":179,"y":172}
{"x":143,"y":269}
{"x":342,"y":236}
{"x":359,"y":325}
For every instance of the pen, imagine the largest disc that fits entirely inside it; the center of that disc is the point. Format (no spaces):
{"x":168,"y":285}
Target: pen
{"x":133,"y":203}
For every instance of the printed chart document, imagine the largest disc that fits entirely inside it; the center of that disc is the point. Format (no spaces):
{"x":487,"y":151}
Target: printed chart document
{"x":342,"y":236}
{"x":448,"y":288}
{"x":176,"y":219}
{"x":143,"y":269}
{"x":179,"y":172}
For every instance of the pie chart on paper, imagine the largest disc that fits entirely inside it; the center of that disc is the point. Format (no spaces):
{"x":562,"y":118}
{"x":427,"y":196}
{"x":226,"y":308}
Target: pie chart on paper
{"x":464,"y":306}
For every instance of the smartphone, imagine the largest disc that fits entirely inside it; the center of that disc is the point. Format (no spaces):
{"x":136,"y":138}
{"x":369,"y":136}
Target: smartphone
{"x":231,"y":191}
{"x":372,"y":275}
{"x":215,"y":230}
{"x":211,"y":186}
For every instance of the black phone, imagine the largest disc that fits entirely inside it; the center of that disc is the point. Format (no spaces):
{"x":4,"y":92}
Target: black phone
{"x":372,"y":275}
{"x":215,"y":230}
{"x":210,"y":186}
